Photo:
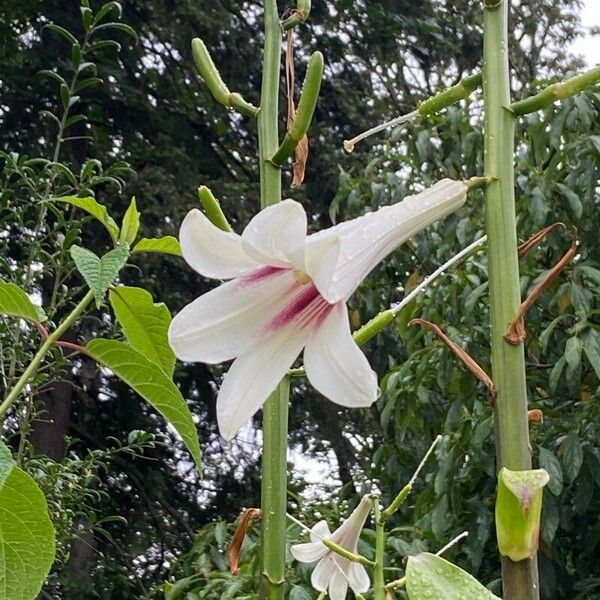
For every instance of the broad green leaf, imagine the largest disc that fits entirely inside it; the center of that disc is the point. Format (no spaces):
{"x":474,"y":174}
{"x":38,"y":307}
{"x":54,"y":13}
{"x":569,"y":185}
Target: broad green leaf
{"x":164,"y":245}
{"x":27,"y":538}
{"x":573,"y":355}
{"x":15,"y":302}
{"x":591,"y":347}
{"x":572,"y":456}
{"x":98,"y":211}
{"x":98,"y":272}
{"x":131,"y":223}
{"x":575,"y":206}
{"x":150,"y":383}
{"x":145,"y":324}
{"x":550,"y":463}
{"x":429,"y":576}
{"x":300,"y":592}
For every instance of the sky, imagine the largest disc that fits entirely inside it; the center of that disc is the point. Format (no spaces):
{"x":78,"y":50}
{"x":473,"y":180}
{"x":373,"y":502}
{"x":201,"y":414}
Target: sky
{"x":589,"y":47}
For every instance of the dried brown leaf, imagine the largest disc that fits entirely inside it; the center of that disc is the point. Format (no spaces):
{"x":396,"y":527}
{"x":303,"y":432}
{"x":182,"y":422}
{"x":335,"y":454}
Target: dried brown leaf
{"x":463,"y":356}
{"x":515,"y":333}
{"x":238,"y":538}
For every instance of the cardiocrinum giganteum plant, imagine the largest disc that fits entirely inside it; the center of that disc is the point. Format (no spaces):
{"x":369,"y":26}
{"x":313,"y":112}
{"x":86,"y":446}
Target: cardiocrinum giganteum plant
{"x":285,"y":294}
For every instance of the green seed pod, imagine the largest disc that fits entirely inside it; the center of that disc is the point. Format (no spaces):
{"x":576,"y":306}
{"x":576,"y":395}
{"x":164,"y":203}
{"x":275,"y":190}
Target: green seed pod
{"x":306,"y":109}
{"x":206,"y":67}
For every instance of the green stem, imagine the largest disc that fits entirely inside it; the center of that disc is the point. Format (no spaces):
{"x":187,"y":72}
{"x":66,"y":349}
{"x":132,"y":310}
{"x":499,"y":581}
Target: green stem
{"x":463,"y":89}
{"x":275,"y":411}
{"x":298,"y":16}
{"x":378,"y":574}
{"x":557,"y":91}
{"x":508,"y":364}
{"x":41,"y":353}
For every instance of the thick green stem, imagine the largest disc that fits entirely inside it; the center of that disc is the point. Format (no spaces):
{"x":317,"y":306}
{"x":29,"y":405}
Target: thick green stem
{"x":557,"y":91}
{"x":378,"y":573}
{"x":41,"y":353}
{"x":508,"y":365}
{"x":275,"y":411}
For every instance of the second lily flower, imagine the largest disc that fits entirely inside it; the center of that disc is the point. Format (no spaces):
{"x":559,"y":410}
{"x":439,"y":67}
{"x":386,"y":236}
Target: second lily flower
{"x":288,"y":291}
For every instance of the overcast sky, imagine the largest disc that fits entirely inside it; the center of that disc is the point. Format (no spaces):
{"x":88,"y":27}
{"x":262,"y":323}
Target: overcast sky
{"x":590,"y":47}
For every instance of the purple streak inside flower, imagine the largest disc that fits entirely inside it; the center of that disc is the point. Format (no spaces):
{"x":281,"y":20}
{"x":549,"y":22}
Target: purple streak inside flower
{"x":308,"y":305}
{"x":262,"y":274}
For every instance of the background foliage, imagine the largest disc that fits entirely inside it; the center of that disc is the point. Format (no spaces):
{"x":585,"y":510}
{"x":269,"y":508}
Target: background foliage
{"x":129,"y":509}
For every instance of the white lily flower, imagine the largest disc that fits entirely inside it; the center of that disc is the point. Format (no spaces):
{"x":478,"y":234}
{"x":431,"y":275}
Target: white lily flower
{"x":287,"y":292}
{"x":333,"y":572}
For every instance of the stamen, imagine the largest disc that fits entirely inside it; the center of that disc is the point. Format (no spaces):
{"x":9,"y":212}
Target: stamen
{"x":301,"y":276}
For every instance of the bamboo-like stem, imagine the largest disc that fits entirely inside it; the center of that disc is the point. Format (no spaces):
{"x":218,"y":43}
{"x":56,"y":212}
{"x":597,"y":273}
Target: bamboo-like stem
{"x":32,"y":368}
{"x":508,"y":364}
{"x":378,"y":571}
{"x":275,"y":411}
{"x":557,"y":91}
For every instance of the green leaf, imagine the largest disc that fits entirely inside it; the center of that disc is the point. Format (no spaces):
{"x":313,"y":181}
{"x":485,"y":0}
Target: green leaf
{"x":16,"y":303}
{"x":572,"y":456}
{"x":300,"y":592}
{"x":152,"y":384}
{"x":145,"y":324}
{"x":131,"y":223}
{"x":591,"y":347}
{"x":573,"y":355}
{"x":27,"y":538}
{"x":106,"y":8}
{"x":429,"y":576}
{"x":98,"y":272}
{"x":119,"y":27}
{"x":164,"y":245}
{"x":98,"y":211}
{"x":63,"y":32}
{"x":551,"y":464}
{"x":573,"y":201}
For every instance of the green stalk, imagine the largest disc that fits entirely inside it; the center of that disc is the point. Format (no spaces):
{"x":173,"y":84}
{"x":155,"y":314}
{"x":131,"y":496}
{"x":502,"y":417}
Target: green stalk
{"x":275,"y":411}
{"x":508,"y":365}
{"x":378,"y":573}
{"x":41,"y":353}
{"x":557,"y":91}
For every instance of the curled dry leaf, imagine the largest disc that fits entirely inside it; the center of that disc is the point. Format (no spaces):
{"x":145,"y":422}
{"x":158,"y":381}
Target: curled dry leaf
{"x":536,"y":238}
{"x":536,"y":416}
{"x":515,"y":333}
{"x":463,"y":355}
{"x":238,"y":538}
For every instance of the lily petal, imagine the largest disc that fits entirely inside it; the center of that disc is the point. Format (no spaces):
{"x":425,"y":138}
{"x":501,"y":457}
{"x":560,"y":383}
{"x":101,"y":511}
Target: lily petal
{"x":365,"y":241}
{"x":336,"y":366}
{"x":338,"y":586}
{"x":255,"y":374}
{"x":322,"y":574}
{"x":211,"y":251}
{"x":309,"y":552}
{"x":320,"y":530}
{"x":226,"y":321}
{"x":358,"y":578}
{"x":276,"y":235}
